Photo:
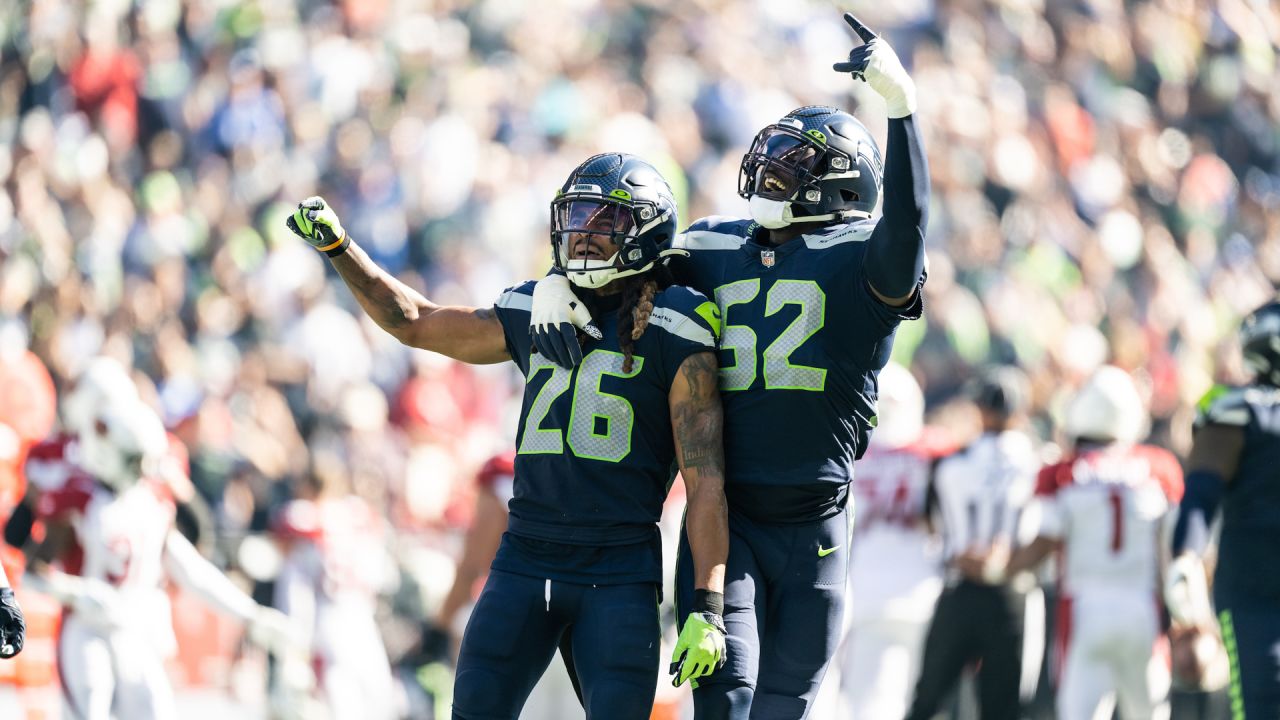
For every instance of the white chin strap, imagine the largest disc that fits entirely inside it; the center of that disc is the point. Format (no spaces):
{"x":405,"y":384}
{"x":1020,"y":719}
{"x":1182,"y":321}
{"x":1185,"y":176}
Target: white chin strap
{"x":776,"y":214}
{"x":598,"y":273}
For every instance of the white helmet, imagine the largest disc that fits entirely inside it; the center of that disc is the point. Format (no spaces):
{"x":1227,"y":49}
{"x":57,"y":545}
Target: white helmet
{"x":103,"y":383}
{"x":1107,"y":407}
{"x":899,"y":408}
{"x":124,"y":444}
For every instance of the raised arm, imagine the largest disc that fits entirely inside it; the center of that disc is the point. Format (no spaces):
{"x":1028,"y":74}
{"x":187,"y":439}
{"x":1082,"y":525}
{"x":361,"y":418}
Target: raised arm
{"x":469,"y":334}
{"x":697,"y":421}
{"x":895,"y":251}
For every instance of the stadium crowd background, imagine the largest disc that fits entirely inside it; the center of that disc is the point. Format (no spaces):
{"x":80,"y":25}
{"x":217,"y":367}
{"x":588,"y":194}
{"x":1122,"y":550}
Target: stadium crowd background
{"x":1106,"y":178}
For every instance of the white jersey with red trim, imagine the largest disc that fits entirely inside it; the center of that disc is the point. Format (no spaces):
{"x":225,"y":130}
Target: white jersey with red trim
{"x":1107,"y":506}
{"x":120,"y":541}
{"x":51,"y":462}
{"x":894,"y":562}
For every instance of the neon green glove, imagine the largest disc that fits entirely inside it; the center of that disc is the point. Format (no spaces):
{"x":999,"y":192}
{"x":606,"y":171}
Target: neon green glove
{"x":319,"y":225}
{"x":700,"y":650}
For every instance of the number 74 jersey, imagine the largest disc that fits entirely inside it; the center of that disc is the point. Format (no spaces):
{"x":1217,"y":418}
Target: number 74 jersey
{"x":802,"y":341}
{"x":1107,"y":506}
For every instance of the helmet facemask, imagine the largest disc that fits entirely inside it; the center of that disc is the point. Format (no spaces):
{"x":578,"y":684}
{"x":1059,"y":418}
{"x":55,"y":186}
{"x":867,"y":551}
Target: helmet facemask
{"x":586,"y":225}
{"x":782,"y":174}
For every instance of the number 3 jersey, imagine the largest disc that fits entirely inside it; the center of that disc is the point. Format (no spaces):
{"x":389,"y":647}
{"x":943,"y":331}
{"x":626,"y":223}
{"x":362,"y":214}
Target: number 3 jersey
{"x":802,"y":342}
{"x":594,"y":449}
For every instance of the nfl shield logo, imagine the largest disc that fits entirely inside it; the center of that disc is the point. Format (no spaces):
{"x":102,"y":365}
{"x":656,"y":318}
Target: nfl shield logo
{"x":766,"y":258}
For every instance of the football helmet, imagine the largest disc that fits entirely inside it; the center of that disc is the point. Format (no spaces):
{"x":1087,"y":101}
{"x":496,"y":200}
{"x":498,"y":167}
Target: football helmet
{"x":1106,"y":408}
{"x":899,"y":408}
{"x":103,"y":383}
{"x":818,"y":163}
{"x":125,"y":444}
{"x":618,"y":197}
{"x":1260,"y":343}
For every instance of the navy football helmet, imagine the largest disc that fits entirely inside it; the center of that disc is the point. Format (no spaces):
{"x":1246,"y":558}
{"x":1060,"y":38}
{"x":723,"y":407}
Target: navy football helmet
{"x":819,"y":159}
{"x":619,"y":197}
{"x":1260,"y":343}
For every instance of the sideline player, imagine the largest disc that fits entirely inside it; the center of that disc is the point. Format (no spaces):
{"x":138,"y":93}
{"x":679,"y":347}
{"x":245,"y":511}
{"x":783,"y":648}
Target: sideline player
{"x":1234,"y":456}
{"x":595,"y":450}
{"x":811,"y":290}
{"x":112,"y":538}
{"x":895,"y":563}
{"x":1106,"y":506}
{"x":335,"y":564}
{"x":51,"y":463}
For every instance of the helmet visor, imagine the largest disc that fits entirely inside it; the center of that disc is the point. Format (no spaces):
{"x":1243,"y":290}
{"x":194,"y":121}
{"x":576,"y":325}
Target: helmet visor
{"x":589,"y":232}
{"x":780,"y":163}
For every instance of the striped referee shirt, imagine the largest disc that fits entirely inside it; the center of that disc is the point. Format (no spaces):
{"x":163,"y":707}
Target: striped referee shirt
{"x":980,"y":491}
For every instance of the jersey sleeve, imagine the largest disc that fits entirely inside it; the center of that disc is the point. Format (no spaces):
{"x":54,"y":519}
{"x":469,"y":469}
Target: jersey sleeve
{"x":703,"y":239}
{"x":1044,"y":515}
{"x":513,"y":308}
{"x":1167,"y":472}
{"x":1223,"y":405}
{"x":71,"y":497}
{"x":688,"y":322}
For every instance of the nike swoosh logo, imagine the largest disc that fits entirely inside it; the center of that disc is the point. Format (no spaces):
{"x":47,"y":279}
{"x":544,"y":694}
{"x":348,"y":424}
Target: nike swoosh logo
{"x":823,"y":552}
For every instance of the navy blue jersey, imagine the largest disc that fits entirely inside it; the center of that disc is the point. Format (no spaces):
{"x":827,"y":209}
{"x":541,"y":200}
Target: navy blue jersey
{"x":594,"y":450}
{"x":1251,"y":504}
{"x":802,"y":342}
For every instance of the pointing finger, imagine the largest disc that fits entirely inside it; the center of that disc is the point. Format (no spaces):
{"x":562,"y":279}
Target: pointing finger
{"x":863,"y":31}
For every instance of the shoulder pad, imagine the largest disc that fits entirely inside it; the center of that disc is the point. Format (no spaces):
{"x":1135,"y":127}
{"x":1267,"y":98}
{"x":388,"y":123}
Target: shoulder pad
{"x":714,"y":233}
{"x":1223,"y":405}
{"x":687,"y":313}
{"x":517,"y":297}
{"x":854,"y":232}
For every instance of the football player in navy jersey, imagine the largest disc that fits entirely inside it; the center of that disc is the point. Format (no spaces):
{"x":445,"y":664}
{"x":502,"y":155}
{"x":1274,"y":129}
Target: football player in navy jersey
{"x":811,"y":290}
{"x":1234,"y":455}
{"x":596,"y":450}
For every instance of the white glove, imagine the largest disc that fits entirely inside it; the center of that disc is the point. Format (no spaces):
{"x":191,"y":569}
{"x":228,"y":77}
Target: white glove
{"x":556,"y":316}
{"x":1186,"y":592}
{"x":877,"y":64}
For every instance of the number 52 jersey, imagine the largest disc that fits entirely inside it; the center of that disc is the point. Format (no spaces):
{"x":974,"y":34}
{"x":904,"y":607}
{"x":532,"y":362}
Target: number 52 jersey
{"x":803,"y":339}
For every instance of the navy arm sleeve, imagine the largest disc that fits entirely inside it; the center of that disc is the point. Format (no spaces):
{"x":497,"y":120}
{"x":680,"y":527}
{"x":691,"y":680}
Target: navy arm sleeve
{"x":895,"y":251}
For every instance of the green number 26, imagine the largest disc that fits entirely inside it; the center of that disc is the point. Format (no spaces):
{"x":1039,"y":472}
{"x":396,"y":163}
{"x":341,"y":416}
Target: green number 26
{"x":740,"y":340}
{"x":591,"y":408}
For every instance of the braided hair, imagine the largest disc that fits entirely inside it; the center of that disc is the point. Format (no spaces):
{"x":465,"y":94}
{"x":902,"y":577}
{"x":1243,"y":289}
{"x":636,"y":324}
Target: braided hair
{"x":637,"y":304}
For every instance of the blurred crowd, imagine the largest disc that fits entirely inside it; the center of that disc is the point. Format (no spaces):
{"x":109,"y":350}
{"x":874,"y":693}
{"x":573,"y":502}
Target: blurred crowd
{"x":1106,"y":176}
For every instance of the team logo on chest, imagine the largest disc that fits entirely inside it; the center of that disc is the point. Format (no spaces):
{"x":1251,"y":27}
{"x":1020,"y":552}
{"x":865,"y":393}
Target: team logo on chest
{"x":768,"y":258}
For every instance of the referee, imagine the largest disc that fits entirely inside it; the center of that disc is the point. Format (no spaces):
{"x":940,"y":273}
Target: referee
{"x":977,"y":497}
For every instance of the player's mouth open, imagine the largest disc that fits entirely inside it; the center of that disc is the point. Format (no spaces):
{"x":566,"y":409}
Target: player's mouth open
{"x":586,"y":250}
{"x":773,"y":184}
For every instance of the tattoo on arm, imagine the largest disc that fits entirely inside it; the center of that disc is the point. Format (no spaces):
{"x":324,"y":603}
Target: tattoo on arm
{"x":698,"y":420}
{"x":391,"y":303}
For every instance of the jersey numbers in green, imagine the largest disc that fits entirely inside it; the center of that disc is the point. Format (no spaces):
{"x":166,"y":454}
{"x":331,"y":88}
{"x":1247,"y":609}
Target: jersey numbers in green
{"x":741,"y":341}
{"x":590,"y":408}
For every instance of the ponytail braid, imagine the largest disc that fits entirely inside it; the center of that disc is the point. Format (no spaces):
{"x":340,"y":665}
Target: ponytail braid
{"x":637,"y":306}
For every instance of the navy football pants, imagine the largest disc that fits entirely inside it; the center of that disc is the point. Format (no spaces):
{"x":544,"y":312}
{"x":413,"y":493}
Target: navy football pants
{"x":519,"y":621}
{"x":783,"y":605}
{"x":1251,"y":634}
